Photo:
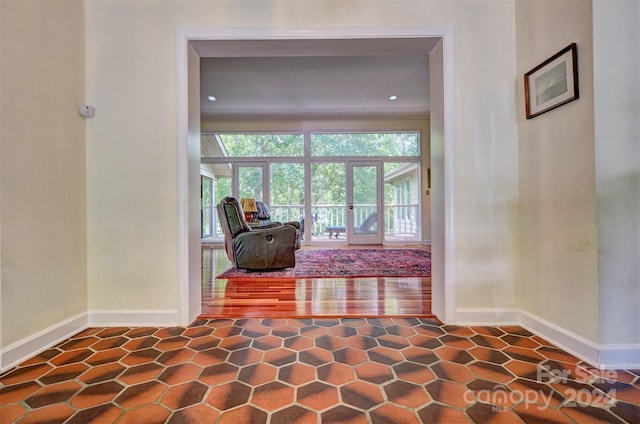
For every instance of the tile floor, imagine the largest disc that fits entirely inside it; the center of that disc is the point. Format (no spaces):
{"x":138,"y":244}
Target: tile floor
{"x":387,"y":370}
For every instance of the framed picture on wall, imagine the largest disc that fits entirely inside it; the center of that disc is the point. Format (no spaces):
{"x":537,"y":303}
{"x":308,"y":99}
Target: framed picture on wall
{"x":553,"y":83}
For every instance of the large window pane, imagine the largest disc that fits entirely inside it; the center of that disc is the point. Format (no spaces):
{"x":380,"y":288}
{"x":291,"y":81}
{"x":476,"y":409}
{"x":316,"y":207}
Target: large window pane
{"x":364,"y":144}
{"x":328,"y":196}
{"x":221,"y":188}
{"x":250,"y":182}
{"x":287,"y":191}
{"x":401,"y":201}
{"x":262,"y":145}
{"x":206,"y":207}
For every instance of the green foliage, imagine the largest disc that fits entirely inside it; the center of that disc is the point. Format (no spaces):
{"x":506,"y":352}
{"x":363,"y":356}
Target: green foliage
{"x":287,"y":183}
{"x":222,"y":188}
{"x":262,"y":145}
{"x":362,"y":144}
{"x":328,"y":184}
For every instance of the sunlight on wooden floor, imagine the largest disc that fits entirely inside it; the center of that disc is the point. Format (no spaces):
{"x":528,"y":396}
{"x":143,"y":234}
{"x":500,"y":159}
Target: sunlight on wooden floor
{"x":309,"y":297}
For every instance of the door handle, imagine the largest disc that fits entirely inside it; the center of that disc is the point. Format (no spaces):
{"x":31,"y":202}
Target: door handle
{"x":351,"y":206}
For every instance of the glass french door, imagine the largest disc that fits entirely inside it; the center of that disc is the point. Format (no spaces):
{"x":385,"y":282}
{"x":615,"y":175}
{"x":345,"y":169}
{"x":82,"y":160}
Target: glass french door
{"x":364,"y":202}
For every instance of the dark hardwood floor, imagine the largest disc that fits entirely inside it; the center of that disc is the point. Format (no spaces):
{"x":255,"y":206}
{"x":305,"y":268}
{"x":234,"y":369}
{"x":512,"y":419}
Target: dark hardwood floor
{"x":309,"y":297}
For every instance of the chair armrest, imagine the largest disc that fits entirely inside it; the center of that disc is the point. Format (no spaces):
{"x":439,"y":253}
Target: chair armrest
{"x":269,"y":225}
{"x":294,"y":224}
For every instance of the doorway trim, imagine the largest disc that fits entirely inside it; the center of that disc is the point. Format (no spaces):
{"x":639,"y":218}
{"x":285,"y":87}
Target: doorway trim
{"x":188,"y":126}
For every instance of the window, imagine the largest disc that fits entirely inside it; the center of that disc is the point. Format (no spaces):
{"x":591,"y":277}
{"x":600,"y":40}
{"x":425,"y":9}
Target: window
{"x":302,"y":176}
{"x":206,"y":193}
{"x":365,"y":144}
{"x":262,"y":145}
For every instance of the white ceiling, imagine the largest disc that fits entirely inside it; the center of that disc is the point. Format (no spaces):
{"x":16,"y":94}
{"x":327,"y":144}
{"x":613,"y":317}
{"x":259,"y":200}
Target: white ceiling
{"x":325,"y":78}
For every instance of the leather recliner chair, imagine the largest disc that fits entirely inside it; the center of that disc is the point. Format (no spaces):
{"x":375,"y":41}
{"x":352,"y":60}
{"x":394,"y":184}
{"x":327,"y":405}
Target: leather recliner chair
{"x":264,"y":247}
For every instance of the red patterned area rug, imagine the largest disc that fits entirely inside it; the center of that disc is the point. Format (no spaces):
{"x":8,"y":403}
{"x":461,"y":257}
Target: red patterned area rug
{"x":331,"y":263}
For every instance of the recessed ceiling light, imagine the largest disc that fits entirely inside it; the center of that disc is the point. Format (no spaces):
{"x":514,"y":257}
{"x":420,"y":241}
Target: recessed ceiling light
{"x":212,"y":98}
{"x":394,"y":97}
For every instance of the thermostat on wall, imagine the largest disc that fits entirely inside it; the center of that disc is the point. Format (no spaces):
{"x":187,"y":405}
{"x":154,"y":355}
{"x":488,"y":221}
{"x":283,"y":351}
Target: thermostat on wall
{"x":87,"y":111}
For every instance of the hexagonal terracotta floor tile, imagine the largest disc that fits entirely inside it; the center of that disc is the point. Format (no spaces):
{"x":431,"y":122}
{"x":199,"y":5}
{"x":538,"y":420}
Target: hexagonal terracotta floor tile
{"x":361,"y":394}
{"x":172,"y":343}
{"x":388,"y":413}
{"x":407,"y":394}
{"x":140,"y":343}
{"x":199,"y":413}
{"x":385,"y":355}
{"x":244,"y":414}
{"x":245,"y":356}
{"x":234,"y":342}
{"x":257,"y":374}
{"x":180,"y":373}
{"x":17,"y":392}
{"x":453,"y":354}
{"x":492,"y":372}
{"x":294,"y":414}
{"x":210,"y":356}
{"x":203,"y":343}
{"x":488,"y":342}
{"x":140,"y":356}
{"x":452,"y":371}
{"x":64,"y":373}
{"x":141,"y":394}
{"x":109,"y":343}
{"x":374,"y":372}
{"x":413,"y":372}
{"x":147,"y":414}
{"x":229,"y":395}
{"x":485,"y":413}
{"x":280,"y":356}
{"x":317,"y":396}
{"x":297,"y":374}
{"x":218,"y":374}
{"x":96,"y":394}
{"x":141,"y":373}
{"x":112,"y":332}
{"x":336,"y":373}
{"x":343,"y":414}
{"x":57,"y":413}
{"x":174,"y":357}
{"x":315,"y":356}
{"x":185,"y":394}
{"x":350,"y":355}
{"x":272,"y":396}
{"x":102,"y":373}
{"x":298,"y":343}
{"x":107,"y":413}
{"x":449,"y":393}
{"x":28,"y":373}
{"x":69,"y":357}
{"x":53,"y":394}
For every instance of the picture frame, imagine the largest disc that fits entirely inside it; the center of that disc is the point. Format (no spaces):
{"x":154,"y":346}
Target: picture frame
{"x":552,"y":83}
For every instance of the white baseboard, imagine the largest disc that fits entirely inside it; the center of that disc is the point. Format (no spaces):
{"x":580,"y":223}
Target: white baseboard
{"x":133,"y":317}
{"x":570,"y":342}
{"x":487,"y":316}
{"x":32,"y":345}
{"x":621,"y":356}
{"x":24,"y":349}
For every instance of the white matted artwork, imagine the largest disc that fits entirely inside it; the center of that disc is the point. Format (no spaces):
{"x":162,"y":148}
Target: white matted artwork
{"x":553,"y":83}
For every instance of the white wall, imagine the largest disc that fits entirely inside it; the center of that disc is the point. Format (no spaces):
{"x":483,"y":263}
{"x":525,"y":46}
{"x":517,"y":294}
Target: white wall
{"x":616,"y":32}
{"x":132,"y":142}
{"x":42,"y":165}
{"x":486,"y":169}
{"x":558,"y":234}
